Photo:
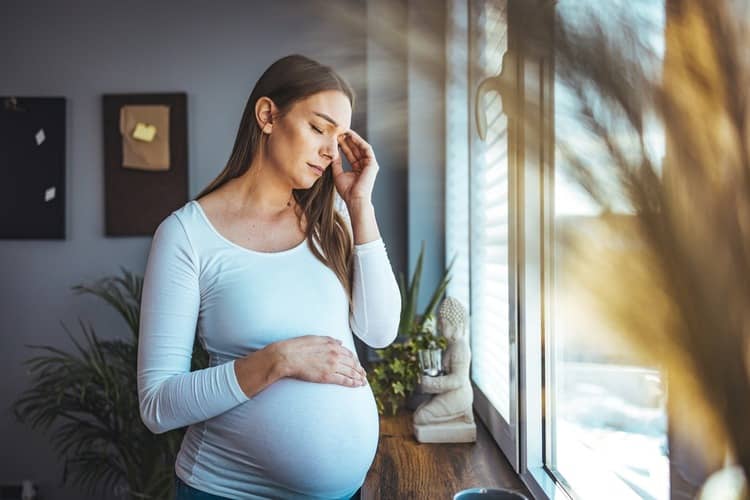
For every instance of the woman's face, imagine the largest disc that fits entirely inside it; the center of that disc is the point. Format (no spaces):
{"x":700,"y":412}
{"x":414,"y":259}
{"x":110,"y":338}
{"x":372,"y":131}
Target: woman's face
{"x":306,"y":137}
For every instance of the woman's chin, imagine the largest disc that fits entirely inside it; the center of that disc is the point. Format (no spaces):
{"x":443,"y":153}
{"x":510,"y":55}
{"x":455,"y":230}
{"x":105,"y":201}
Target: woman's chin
{"x":304,"y":184}
{"x":313,"y":180}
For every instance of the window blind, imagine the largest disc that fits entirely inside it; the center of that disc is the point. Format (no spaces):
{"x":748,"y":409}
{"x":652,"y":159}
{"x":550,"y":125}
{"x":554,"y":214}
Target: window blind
{"x":477,"y":191}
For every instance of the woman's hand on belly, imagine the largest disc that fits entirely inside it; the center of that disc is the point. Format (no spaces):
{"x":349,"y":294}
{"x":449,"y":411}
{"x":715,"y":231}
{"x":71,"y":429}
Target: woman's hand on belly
{"x":321,"y":359}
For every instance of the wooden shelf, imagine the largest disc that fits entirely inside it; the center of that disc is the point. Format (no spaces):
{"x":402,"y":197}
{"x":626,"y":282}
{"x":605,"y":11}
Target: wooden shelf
{"x":407,"y":469}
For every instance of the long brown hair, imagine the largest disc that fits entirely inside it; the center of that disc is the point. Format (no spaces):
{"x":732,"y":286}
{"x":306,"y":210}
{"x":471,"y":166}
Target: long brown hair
{"x":286,"y":81}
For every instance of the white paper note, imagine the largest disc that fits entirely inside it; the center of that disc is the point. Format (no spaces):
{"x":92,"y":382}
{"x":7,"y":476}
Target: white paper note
{"x":40,"y":137}
{"x":49,"y":194}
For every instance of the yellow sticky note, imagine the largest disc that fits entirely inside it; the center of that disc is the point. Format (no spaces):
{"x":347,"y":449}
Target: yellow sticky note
{"x":144,"y":132}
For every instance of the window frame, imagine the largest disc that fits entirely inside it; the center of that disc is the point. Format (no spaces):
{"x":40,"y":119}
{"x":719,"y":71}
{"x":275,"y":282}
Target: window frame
{"x":535,"y":194}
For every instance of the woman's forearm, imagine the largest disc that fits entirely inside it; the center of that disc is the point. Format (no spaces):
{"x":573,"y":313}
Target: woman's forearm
{"x":364,"y":224}
{"x":258,"y":370}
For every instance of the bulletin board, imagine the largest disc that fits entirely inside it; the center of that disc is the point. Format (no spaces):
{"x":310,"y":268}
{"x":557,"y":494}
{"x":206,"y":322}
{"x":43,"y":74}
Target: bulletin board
{"x":32,"y":167}
{"x":145,"y":160}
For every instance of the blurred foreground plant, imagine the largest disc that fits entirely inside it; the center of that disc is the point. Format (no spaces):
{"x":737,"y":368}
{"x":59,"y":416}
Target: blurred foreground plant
{"x":682,"y":298}
{"x":89,"y":400}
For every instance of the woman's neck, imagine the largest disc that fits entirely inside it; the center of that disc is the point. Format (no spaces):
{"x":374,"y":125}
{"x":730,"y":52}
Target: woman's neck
{"x":260,"y":193}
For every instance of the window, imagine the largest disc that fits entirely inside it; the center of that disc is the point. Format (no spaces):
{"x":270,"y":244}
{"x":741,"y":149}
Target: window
{"x":574,"y":418}
{"x":606,"y":410}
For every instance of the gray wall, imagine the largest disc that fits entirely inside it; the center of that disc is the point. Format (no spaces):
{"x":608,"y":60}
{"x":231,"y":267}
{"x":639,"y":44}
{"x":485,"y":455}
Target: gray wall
{"x":426,"y":198}
{"x":406,"y":88}
{"x":212,"y":51}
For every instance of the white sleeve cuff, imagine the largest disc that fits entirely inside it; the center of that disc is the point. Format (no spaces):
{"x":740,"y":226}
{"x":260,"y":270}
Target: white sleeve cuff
{"x":234,"y":384}
{"x":370,"y":246}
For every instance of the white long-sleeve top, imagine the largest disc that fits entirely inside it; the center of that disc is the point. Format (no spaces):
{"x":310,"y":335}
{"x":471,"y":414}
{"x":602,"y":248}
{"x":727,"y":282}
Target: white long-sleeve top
{"x":294,"y":439}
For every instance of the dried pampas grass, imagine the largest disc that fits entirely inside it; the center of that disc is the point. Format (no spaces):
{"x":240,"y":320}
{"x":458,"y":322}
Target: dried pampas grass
{"x":680,"y":292}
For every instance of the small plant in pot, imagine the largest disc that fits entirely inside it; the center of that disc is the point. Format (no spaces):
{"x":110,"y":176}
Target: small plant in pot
{"x":430,"y":346}
{"x":394,"y":378}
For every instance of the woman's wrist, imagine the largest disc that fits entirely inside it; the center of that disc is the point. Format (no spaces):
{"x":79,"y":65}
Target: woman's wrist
{"x":260,"y":369}
{"x":364,"y":224}
{"x":357,"y":205}
{"x":280,"y":366}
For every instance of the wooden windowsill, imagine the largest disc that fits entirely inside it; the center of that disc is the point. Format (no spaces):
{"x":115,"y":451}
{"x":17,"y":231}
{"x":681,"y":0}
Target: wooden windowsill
{"x":407,"y":469}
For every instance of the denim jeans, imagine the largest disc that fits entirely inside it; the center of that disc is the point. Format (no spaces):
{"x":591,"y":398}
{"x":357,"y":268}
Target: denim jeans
{"x":186,"y":492}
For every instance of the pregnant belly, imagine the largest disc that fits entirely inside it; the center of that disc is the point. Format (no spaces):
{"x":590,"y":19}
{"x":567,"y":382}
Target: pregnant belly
{"x":318,"y":439}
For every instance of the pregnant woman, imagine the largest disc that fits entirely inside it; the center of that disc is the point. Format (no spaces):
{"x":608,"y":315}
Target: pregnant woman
{"x":274,"y":266}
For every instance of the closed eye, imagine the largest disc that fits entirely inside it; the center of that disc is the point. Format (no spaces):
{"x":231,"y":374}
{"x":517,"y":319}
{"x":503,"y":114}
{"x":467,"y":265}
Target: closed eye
{"x":316,"y":129}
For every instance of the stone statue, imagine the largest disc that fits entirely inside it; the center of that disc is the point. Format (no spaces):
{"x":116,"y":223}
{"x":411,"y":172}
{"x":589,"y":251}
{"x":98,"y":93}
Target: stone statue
{"x":448,"y":417}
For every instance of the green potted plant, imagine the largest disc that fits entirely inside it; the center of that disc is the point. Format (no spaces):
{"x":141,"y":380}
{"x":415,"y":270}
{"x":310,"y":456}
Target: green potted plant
{"x":89,"y":398}
{"x":395,"y":375}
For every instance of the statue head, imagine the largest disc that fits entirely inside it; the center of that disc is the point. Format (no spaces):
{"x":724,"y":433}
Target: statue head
{"x":452,"y":318}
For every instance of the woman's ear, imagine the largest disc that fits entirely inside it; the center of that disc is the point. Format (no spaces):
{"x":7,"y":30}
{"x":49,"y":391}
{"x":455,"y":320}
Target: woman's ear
{"x":265,"y":110}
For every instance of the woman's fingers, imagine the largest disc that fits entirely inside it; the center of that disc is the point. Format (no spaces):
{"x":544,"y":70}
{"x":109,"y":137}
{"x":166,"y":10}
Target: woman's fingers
{"x":359,"y":158}
{"x":364,"y":148}
{"x":337,"y":166}
{"x":356,"y":367}
{"x":350,"y":363}
{"x":352,"y":375}
{"x":347,"y":149}
{"x":357,"y":150}
{"x":340,"y":379}
{"x":338,"y":364}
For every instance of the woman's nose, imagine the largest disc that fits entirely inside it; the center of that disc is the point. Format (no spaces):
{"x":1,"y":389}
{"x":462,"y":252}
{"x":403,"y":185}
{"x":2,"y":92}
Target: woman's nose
{"x":330,"y":151}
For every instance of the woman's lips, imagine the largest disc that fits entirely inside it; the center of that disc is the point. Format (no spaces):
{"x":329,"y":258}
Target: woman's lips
{"x":316,"y":169}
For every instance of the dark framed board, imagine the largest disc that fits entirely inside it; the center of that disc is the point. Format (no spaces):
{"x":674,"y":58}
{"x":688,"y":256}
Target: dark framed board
{"x":32,"y":167}
{"x":145,"y":160}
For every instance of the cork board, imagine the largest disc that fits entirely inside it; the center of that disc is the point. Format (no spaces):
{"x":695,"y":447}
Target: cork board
{"x":32,"y":167}
{"x":142,"y":184}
